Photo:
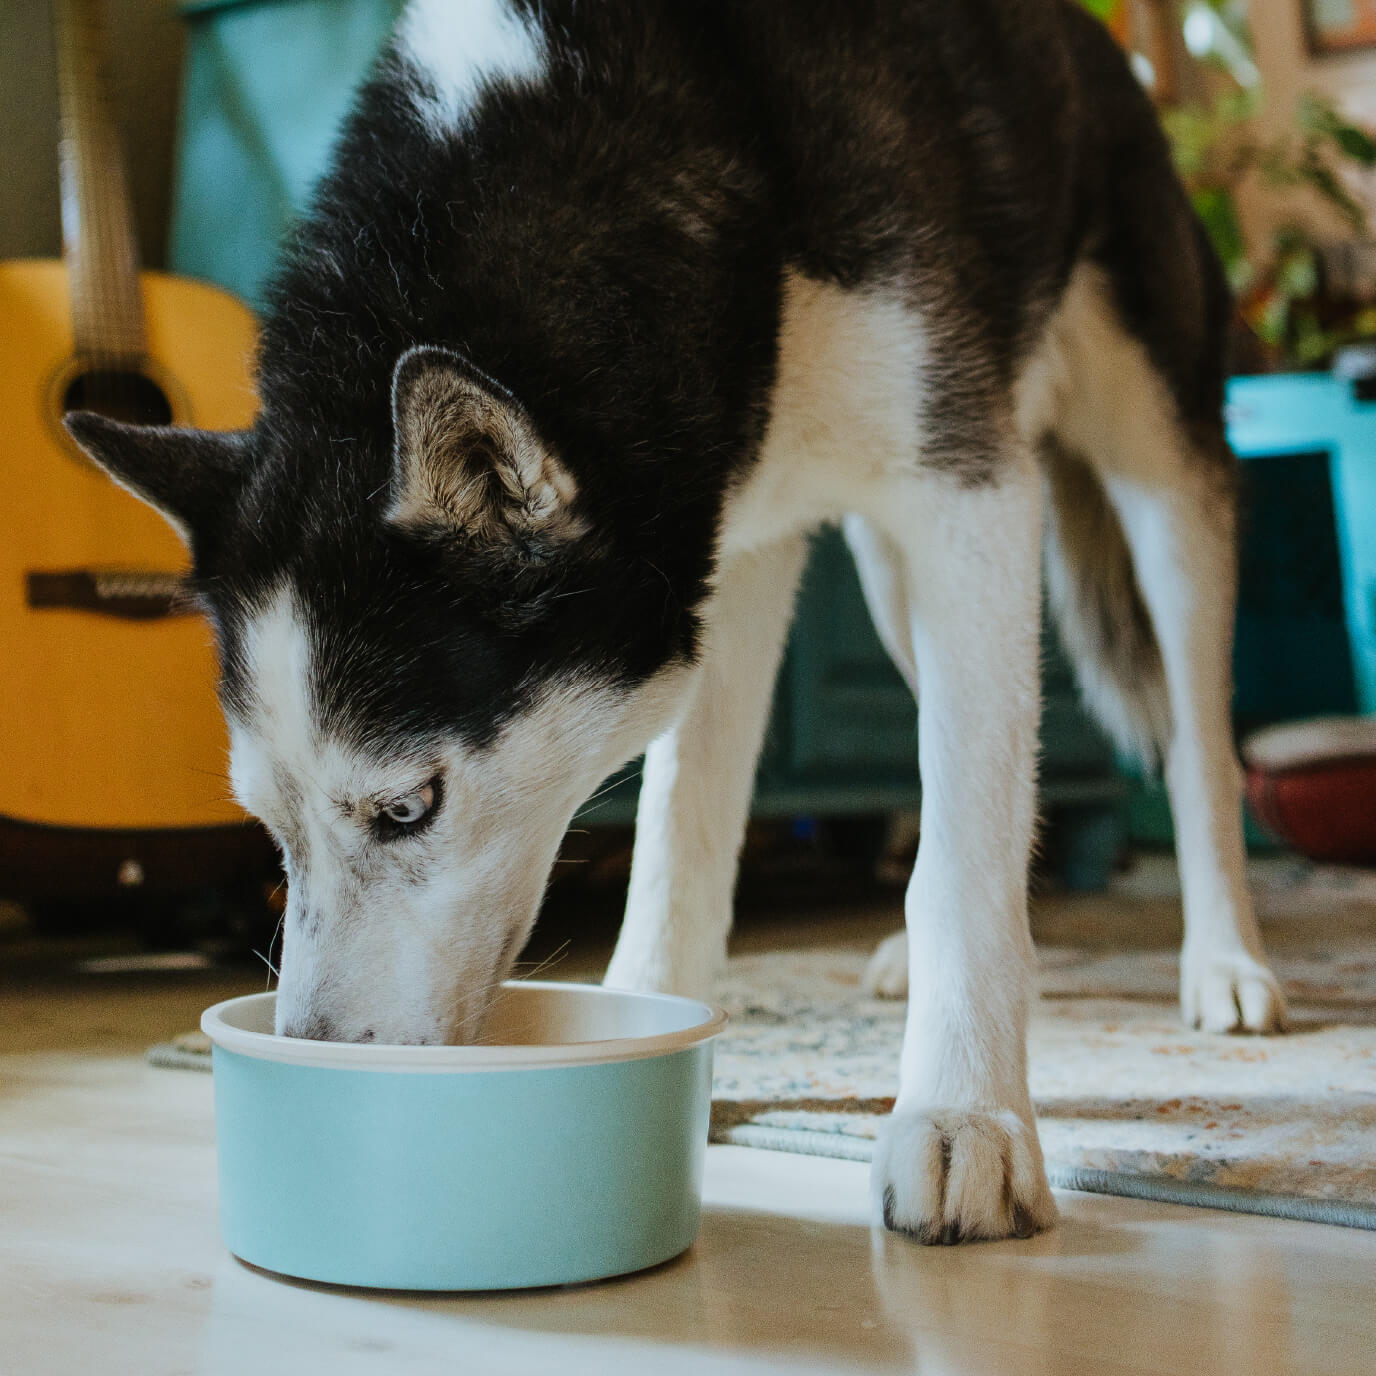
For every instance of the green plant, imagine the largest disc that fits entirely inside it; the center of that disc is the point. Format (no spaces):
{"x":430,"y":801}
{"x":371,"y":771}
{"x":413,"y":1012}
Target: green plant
{"x":1279,"y":281}
{"x":1278,"y":277}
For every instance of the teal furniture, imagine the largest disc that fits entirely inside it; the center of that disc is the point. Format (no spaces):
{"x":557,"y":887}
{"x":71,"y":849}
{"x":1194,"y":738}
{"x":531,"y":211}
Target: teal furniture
{"x":266,"y":85}
{"x":1311,"y":420}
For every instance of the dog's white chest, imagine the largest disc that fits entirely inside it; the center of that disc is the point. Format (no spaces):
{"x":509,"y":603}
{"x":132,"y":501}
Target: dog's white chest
{"x":845,"y":417}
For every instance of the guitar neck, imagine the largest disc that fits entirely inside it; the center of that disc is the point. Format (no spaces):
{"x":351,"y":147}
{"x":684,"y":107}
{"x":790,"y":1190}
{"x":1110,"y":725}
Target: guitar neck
{"x":98,"y":241}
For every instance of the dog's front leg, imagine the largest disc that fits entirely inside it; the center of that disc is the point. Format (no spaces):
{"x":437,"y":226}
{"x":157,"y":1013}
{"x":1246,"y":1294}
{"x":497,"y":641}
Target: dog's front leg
{"x":698,"y":779}
{"x":959,"y":1158}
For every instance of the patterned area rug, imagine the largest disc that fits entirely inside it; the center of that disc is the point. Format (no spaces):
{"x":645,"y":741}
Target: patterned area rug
{"x":1129,"y":1101}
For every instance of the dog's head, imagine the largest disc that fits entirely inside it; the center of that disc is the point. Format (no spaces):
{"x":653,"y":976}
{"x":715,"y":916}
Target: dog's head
{"x":431,"y":653}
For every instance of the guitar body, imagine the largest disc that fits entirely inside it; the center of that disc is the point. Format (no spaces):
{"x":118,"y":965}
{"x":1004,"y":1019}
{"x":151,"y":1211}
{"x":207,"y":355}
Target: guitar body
{"x":110,"y":720}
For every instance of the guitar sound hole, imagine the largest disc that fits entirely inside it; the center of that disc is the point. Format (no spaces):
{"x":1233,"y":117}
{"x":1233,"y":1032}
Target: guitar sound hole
{"x":118,"y":395}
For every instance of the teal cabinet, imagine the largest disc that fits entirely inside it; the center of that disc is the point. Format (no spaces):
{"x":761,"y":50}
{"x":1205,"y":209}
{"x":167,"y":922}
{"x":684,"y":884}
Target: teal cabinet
{"x":1309,"y":446}
{"x":849,"y":715}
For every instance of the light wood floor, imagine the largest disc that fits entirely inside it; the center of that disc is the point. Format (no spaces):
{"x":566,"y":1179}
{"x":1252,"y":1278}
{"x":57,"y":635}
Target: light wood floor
{"x":110,"y":1259}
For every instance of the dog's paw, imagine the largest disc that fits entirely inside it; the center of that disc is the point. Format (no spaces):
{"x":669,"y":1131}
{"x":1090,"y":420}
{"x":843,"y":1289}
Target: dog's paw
{"x":886,"y":976}
{"x":1230,"y":993}
{"x":955,"y":1175}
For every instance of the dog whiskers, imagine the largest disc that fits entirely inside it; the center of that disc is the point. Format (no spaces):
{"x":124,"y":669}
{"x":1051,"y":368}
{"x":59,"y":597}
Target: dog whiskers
{"x":552,"y":959}
{"x":601,"y":792}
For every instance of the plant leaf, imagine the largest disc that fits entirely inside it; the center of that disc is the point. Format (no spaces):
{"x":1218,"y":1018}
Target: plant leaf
{"x":1216,"y":208}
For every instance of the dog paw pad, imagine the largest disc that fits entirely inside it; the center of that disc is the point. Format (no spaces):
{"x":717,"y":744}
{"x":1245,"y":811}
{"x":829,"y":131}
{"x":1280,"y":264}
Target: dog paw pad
{"x":1231,"y":994}
{"x":947,"y":1175}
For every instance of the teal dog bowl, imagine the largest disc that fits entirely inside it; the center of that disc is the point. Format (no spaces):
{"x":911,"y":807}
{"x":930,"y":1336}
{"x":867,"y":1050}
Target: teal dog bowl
{"x":568,"y":1147}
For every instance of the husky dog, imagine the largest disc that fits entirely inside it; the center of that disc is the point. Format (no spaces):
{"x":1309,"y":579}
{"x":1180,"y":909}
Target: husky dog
{"x":599,"y":310}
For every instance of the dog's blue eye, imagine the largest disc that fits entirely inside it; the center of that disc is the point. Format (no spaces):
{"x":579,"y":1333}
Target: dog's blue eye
{"x":407,"y":811}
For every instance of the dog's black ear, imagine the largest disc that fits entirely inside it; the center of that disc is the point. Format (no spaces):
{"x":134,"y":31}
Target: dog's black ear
{"x":187,"y":475}
{"x":467,"y":460}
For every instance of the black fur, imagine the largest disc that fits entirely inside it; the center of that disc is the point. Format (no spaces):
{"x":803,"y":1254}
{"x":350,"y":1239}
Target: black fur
{"x":610,"y":245}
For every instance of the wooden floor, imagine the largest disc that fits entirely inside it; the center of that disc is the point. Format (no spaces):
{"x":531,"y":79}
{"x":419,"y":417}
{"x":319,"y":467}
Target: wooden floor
{"x":110,"y":1259}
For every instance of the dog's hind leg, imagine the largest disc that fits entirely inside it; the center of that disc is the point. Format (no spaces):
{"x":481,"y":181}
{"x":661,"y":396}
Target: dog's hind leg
{"x":959,"y":1157}
{"x":1182,"y":533}
{"x":698,"y":780}
{"x":1153,"y":636}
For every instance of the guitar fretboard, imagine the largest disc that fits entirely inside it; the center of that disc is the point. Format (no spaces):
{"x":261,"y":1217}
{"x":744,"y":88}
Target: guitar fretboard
{"x":98,"y":240}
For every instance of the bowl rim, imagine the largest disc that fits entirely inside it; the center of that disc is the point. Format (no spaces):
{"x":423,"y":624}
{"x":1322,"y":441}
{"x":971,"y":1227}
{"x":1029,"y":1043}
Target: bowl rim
{"x":267,"y":1046}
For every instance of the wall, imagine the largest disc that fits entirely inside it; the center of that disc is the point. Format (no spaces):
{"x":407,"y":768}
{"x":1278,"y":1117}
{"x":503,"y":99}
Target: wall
{"x":145,"y":55}
{"x":1288,"y":68}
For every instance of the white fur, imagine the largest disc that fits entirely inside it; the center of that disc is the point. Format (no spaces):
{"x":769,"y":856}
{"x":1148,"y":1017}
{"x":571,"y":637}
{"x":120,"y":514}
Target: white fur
{"x":1110,"y":403}
{"x":698,"y":780}
{"x":1181,"y":558}
{"x":279,"y":661}
{"x":845,"y":436}
{"x":844,"y":430}
{"x":408,"y":939}
{"x":1094,"y":385}
{"x":461,"y":46}
{"x":883,"y":580}
{"x":973,"y":558}
{"x":846,"y":415}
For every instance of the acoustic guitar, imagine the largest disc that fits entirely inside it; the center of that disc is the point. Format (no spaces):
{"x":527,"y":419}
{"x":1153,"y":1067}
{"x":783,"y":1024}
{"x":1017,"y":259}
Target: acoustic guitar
{"x":110,"y":723}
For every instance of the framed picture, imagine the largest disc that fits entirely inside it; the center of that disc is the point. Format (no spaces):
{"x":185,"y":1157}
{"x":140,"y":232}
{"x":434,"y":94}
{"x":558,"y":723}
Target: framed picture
{"x":1339,"y":26}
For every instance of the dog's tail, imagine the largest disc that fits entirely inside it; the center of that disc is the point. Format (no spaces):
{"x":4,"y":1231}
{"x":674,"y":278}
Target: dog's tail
{"x":1096,"y":603}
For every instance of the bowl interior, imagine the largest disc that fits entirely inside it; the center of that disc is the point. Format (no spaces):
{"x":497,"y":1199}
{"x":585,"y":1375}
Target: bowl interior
{"x":528,"y":1014}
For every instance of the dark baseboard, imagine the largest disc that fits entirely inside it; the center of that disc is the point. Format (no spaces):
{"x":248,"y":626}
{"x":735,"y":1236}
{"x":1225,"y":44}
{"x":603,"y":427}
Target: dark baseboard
{"x":60,"y":863}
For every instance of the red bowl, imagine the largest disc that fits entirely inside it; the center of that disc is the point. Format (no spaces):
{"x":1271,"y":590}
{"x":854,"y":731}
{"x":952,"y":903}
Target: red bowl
{"x":1314,"y":785}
